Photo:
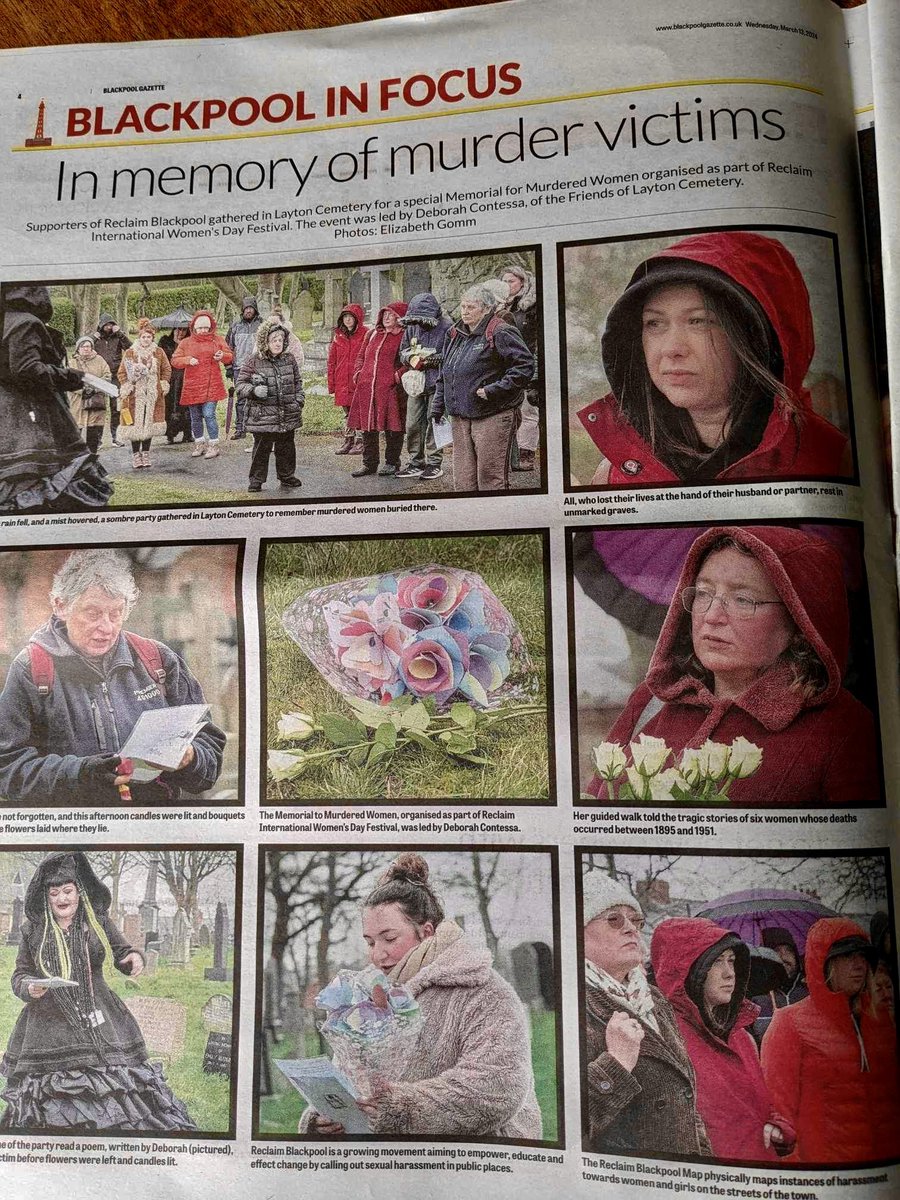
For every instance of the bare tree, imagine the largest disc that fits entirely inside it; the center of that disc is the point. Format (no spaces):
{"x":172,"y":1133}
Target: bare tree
{"x":122,"y":305}
{"x":185,"y":870}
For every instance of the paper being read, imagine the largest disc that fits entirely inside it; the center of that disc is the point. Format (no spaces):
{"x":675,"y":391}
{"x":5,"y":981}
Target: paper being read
{"x":326,"y":1090}
{"x":161,"y":737}
{"x":100,"y":385}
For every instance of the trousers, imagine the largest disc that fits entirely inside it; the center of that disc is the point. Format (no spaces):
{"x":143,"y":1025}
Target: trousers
{"x":481,"y":452}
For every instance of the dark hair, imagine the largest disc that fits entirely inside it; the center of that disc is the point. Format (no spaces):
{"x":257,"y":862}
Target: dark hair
{"x":757,"y":388}
{"x":405,"y":882}
{"x":810,"y":673}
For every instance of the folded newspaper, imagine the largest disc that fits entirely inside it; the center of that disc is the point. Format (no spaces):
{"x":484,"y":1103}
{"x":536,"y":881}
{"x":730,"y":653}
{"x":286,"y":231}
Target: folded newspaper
{"x":162,"y":737}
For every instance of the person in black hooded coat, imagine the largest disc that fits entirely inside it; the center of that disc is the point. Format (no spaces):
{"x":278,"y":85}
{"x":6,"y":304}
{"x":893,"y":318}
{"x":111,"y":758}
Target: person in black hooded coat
{"x":76,"y":1061}
{"x":44,"y":463}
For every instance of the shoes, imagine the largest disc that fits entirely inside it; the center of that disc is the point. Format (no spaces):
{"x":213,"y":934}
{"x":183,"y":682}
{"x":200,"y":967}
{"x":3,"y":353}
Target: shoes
{"x":432,"y":473}
{"x":356,"y":448}
{"x":146,"y":460}
{"x":199,"y":449}
{"x":137,"y":460}
{"x":387,"y":469}
{"x":410,"y":472}
{"x":254,"y":487}
{"x":170,"y":441}
{"x":291,"y":482}
{"x":236,"y":437}
{"x":526,"y":461}
{"x":347,"y":446}
{"x":364,"y":470}
{"x":212,"y":450}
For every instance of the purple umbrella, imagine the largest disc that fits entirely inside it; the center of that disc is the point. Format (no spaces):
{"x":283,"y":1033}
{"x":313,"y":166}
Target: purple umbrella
{"x":748,"y":913}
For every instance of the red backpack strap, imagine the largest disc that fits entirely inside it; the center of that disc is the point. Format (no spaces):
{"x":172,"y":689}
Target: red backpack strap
{"x":42,"y":667}
{"x":150,"y":655}
{"x":490,"y":327}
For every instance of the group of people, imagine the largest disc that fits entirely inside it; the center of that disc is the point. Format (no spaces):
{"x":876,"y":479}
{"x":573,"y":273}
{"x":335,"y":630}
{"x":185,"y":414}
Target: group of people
{"x":673,"y":1067}
{"x":422,"y":379}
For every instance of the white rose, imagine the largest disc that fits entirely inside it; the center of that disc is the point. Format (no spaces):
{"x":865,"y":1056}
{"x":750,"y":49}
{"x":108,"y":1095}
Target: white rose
{"x":609,"y":760}
{"x":286,"y":764}
{"x":295,"y":727}
{"x":662,"y":785}
{"x":745,"y":758}
{"x":691,"y":766}
{"x":638,"y":783}
{"x":649,"y":754}
{"x":713,"y":759}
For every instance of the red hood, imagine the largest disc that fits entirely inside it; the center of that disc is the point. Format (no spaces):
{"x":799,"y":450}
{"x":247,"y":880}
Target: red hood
{"x":203,"y":312}
{"x":819,"y":941}
{"x":397,"y":306}
{"x":767,"y":270}
{"x":355,"y":310}
{"x":676,"y":945}
{"x":807,"y":573}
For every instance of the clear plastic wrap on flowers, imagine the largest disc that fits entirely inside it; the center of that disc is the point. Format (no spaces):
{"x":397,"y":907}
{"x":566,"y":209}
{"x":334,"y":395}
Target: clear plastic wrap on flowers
{"x":369,"y":1021}
{"x":429,"y":631}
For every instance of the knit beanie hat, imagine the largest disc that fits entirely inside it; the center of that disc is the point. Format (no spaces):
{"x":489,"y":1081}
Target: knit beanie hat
{"x":85,"y":337}
{"x":600,"y":892}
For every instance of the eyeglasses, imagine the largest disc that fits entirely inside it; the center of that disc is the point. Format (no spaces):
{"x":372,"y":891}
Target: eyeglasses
{"x":700,"y":600}
{"x":616,"y":920}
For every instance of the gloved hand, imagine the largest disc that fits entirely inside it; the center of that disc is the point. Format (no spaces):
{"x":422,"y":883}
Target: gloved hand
{"x":260,"y":391}
{"x":98,"y":770}
{"x":257,"y":378}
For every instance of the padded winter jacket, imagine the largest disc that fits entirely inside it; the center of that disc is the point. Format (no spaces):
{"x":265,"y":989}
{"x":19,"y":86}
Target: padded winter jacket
{"x":425,"y":324}
{"x":496,"y":360}
{"x":800,"y":445}
{"x":281,"y":409}
{"x":204,"y":381}
{"x":816,"y":750}
{"x":836,"y":1080}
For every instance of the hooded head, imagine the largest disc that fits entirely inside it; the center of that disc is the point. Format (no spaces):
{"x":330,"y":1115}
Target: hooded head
{"x":398,"y":307}
{"x":424,"y":309}
{"x":61,"y":867}
{"x":829,"y":940}
{"x":268,"y":327}
{"x":684,"y":951}
{"x":759,"y":343}
{"x":210,"y":316}
{"x":29,"y":298}
{"x":358,"y":315}
{"x":249,"y":302}
{"x":782,"y":942}
{"x":103,"y":320}
{"x":525,"y":294}
{"x":805,"y":576}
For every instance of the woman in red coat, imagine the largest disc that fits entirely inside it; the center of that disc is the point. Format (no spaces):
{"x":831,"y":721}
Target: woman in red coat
{"x":349,"y":335}
{"x":754,"y":647}
{"x":703,"y":972}
{"x":202,"y":355}
{"x":706,"y":353}
{"x":379,"y":403}
{"x":830,"y":1061}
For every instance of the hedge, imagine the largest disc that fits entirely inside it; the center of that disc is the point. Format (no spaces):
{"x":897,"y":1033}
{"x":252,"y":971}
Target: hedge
{"x":157,"y":304}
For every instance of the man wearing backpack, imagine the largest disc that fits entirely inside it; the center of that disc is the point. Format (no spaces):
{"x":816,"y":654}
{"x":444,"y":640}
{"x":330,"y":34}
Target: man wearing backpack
{"x":75,"y":693}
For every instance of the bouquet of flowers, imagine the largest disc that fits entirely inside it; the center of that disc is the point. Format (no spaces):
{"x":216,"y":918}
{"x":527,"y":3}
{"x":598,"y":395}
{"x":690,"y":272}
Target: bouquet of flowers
{"x":368,"y":1021}
{"x":430,"y":632}
{"x":656,"y":775}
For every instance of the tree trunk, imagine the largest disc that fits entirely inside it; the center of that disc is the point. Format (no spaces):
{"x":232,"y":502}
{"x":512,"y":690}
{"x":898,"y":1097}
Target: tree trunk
{"x":122,"y":306}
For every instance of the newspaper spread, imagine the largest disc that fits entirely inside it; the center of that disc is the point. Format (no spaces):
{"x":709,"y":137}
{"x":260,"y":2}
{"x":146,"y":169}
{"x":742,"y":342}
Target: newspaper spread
{"x":449,"y":718}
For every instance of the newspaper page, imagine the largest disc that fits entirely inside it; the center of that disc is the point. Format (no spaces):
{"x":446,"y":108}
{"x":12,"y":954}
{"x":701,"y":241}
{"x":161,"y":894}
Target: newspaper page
{"x":535,"y":841}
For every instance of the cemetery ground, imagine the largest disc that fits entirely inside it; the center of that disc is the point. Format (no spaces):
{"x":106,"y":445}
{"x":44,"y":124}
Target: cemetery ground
{"x":512,"y":566}
{"x":280,"y":1112}
{"x":176,"y":478}
{"x":207,"y":1097}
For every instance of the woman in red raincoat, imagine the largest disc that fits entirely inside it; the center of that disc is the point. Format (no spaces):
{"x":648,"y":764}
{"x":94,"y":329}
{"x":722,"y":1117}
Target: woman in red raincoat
{"x":201,"y":355}
{"x":703,"y":972}
{"x":379,"y":403}
{"x":349,"y":335}
{"x":706,"y":353}
{"x":830,"y":1061}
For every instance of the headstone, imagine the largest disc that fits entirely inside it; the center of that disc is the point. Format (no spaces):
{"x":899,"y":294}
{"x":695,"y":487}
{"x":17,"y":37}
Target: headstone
{"x":303,"y":311}
{"x":204,"y":940}
{"x":217,"y":1055}
{"x":532,"y":965}
{"x":151,"y":961}
{"x":359,"y":288}
{"x":14,"y":937}
{"x":149,"y":908}
{"x":382,"y":292}
{"x":332,"y":299}
{"x":5,"y":922}
{"x":416,"y":278}
{"x":219,"y":971}
{"x":133,"y":931}
{"x":180,"y":955}
{"x":165,"y":946}
{"x":217,"y":1012}
{"x":162,"y":1022}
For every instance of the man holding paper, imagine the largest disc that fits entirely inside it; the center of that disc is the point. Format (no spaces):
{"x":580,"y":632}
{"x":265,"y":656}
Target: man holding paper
{"x":74,"y":704}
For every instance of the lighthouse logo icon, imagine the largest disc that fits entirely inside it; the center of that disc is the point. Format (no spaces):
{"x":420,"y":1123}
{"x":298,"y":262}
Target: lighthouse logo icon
{"x":39,"y":139}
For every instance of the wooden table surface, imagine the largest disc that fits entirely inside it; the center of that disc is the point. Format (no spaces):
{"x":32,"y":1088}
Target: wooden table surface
{"x":56,"y":22}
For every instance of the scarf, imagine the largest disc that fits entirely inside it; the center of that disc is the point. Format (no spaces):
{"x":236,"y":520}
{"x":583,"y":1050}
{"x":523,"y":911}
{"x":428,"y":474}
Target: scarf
{"x":632,"y":993}
{"x":426,"y":952}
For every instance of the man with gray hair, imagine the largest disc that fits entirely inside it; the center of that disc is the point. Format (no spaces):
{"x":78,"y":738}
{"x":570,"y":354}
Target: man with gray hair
{"x":75,"y":693}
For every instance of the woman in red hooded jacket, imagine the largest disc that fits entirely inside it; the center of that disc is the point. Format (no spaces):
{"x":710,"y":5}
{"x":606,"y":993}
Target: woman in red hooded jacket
{"x":703,"y":972}
{"x":202,"y":355}
{"x":830,"y":1061}
{"x":706,"y":353}
{"x":379,"y":403}
{"x":349,"y":335}
{"x":754,"y":646}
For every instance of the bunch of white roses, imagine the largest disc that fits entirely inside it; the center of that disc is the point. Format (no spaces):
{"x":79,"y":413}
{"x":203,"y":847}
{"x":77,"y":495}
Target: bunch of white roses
{"x":653,"y":776}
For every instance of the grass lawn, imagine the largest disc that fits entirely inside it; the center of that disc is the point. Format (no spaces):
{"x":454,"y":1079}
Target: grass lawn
{"x":207,"y":1096}
{"x":512,"y":566}
{"x":280,"y":1112}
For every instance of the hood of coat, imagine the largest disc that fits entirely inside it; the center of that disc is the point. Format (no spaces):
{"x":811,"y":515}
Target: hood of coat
{"x":397,"y":306}
{"x":105,"y":318}
{"x":460,"y":965}
{"x":425,"y":310}
{"x":65,"y":866}
{"x":682,"y":951}
{"x":357,"y":312}
{"x":29,"y":298}
{"x":262,"y":336}
{"x":808,"y":575}
{"x":249,"y":302}
{"x":757,"y":273}
{"x":819,"y":942}
{"x":203,"y":312}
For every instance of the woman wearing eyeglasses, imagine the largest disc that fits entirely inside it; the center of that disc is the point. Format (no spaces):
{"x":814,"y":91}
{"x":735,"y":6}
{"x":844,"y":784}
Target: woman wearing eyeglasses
{"x":754,"y":646}
{"x":641,"y":1087}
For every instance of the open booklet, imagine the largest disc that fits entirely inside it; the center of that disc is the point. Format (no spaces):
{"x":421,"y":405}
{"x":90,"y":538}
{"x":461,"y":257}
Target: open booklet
{"x":470,"y":435}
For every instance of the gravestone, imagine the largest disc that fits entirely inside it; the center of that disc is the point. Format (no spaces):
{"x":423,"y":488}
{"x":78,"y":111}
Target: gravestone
{"x":532,"y":965}
{"x":149,"y":908}
{"x":180,"y":955}
{"x":151,"y":960}
{"x":416,"y":278}
{"x":14,"y":937}
{"x":303,"y":310}
{"x":217,"y":1012}
{"x":162,"y":1022}
{"x":219,"y":971}
{"x":133,"y":930}
{"x":5,"y":922}
{"x":204,"y":940}
{"x":217,"y":1055}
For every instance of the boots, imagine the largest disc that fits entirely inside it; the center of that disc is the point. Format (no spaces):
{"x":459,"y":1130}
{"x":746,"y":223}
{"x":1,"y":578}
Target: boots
{"x":347,"y":445}
{"x":199,"y":448}
{"x":356,"y":448}
{"x":212,"y":450}
{"x":526,"y":461}
{"x":137,"y":460}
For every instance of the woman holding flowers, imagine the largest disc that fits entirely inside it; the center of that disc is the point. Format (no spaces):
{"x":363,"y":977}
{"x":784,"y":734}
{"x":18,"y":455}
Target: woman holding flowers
{"x":744,"y":696}
{"x":468,"y":1071}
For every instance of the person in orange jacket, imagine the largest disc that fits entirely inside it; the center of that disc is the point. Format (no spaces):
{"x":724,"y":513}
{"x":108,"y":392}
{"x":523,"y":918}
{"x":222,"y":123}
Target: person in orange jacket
{"x":201,"y":356}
